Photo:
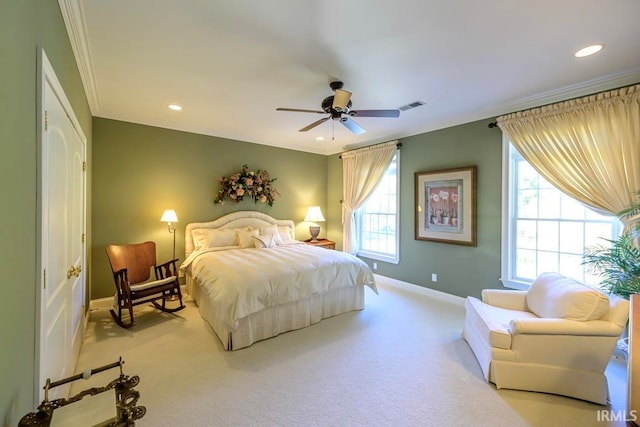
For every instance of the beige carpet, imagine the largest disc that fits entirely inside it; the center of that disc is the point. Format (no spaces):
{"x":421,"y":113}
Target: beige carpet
{"x":399,"y":362}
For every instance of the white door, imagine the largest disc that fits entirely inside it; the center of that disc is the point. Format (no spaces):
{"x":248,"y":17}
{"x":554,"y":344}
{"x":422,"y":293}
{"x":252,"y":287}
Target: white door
{"x":62,"y":234}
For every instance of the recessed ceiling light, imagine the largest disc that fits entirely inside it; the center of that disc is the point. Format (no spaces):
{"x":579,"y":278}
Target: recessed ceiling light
{"x":319,"y":138}
{"x":589,"y":50}
{"x":175,"y":107}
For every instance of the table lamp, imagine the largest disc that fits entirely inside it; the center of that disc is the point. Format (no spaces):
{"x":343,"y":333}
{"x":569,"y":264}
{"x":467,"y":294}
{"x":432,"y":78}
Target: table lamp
{"x":314,"y":215}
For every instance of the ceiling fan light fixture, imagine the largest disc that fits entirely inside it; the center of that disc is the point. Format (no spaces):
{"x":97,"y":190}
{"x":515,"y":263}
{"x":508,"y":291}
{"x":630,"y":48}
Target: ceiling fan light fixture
{"x":341,"y":100}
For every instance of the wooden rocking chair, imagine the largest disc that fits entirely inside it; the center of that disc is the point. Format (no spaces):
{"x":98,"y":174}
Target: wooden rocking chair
{"x":131,"y":267}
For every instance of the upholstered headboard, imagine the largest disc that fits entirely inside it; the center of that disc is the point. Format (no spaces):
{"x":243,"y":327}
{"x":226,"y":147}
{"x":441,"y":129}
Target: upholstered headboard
{"x":235,"y":220}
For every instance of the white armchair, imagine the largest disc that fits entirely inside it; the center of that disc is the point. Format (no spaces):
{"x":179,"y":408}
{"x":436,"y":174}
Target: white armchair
{"x":557,"y":337}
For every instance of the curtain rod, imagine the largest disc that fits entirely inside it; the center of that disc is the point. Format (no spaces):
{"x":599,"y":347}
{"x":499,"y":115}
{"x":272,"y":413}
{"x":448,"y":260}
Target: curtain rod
{"x":495,"y":124}
{"x":398,"y":145}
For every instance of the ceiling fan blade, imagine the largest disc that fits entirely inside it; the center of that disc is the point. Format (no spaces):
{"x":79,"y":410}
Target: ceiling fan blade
{"x":314,"y":124}
{"x":352,"y":126}
{"x":341,"y":100}
{"x":299,"y":110}
{"x":374,"y":113}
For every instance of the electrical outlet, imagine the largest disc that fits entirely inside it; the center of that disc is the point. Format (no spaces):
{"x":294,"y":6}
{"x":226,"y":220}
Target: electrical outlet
{"x":375,"y":265}
{"x":434,"y":277}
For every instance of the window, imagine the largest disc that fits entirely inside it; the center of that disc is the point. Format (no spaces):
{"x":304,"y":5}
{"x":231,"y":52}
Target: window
{"x":544,"y":229}
{"x":377,"y":219}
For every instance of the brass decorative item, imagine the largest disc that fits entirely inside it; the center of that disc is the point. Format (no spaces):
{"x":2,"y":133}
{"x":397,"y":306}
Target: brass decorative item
{"x":74,"y":271}
{"x":127,"y":410}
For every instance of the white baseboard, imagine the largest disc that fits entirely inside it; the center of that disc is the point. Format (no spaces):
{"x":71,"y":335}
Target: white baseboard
{"x":431,"y":293}
{"x":107,"y":303}
{"x":101,"y":303}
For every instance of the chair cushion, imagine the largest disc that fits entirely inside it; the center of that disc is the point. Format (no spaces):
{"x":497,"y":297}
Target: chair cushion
{"x":554,"y":296}
{"x":493,"y":322}
{"x":147,"y":285}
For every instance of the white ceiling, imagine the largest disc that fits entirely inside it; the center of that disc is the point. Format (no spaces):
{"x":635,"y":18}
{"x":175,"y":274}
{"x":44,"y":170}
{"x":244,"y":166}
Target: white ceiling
{"x":230,"y":64}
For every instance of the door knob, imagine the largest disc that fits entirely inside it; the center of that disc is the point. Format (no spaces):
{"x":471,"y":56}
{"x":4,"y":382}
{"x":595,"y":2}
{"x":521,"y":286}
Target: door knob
{"x":73,"y":271}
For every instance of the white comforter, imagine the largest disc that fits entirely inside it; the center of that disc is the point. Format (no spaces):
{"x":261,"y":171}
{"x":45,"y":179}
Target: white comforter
{"x":241,"y":282}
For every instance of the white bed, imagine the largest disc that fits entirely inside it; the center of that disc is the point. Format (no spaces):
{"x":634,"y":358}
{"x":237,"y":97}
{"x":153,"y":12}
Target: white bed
{"x":249,"y":293}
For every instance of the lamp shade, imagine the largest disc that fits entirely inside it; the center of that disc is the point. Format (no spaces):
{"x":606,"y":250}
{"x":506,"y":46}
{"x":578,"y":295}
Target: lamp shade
{"x":169,"y":216}
{"x":314,"y":214}
{"x":341,"y":99}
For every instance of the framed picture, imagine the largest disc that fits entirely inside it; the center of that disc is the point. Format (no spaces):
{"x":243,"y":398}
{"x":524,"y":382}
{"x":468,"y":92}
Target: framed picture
{"x":445,"y":205}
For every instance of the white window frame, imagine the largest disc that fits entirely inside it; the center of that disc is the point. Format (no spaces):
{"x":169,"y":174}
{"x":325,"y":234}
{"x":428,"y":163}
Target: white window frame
{"x":380,"y":256}
{"x":508,"y":276}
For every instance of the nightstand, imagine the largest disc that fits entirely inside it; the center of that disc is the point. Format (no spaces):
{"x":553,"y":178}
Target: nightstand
{"x":323,"y":243}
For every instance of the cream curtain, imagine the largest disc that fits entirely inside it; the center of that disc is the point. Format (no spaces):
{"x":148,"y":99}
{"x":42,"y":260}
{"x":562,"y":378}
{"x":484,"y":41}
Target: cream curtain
{"x":589,"y":148}
{"x":362,"y":170}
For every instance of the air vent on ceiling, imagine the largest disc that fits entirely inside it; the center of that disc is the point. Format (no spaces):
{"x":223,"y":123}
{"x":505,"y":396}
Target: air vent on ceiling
{"x":411,"y":105}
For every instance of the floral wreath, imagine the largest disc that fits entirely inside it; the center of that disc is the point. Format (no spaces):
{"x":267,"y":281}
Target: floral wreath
{"x":247,"y":183}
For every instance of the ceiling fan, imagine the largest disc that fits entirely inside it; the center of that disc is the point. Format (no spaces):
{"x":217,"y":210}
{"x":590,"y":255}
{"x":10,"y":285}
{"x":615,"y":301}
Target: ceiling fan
{"x":338,"y":107}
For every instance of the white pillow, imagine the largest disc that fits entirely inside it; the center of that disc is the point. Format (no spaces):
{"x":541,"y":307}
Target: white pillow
{"x":213,"y":238}
{"x":264,"y":241}
{"x":200,"y":238}
{"x":552,"y":295}
{"x":272,"y":230}
{"x":286,"y":233}
{"x":245,"y":237}
{"x":277,"y":240}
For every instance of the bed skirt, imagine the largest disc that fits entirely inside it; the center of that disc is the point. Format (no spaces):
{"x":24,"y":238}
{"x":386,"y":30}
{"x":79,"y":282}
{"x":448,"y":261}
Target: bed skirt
{"x":278,"y":319}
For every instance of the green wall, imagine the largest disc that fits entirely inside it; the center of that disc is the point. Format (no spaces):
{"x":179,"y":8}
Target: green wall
{"x":139,"y":171}
{"x":25,"y":26}
{"x":461,"y":270}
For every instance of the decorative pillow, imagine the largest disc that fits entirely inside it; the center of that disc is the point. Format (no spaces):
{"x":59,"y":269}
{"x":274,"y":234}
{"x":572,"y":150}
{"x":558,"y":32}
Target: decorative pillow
{"x":245,"y":237}
{"x":552,"y":295}
{"x":200,"y":238}
{"x":212,"y":238}
{"x":264,"y":241}
{"x":272,"y":230}
{"x":277,"y":239}
{"x":286,"y":233}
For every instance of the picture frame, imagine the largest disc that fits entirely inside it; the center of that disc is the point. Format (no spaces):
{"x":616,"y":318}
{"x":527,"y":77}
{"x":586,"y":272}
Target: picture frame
{"x":445,"y":205}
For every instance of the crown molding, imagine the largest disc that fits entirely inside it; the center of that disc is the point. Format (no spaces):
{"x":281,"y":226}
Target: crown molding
{"x":589,"y":87}
{"x":73,"y":17}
